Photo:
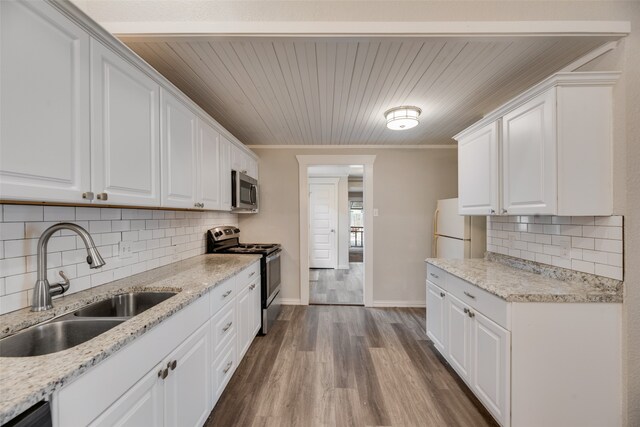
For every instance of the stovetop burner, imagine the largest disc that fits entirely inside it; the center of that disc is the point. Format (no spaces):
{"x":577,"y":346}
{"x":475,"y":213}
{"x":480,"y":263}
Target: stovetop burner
{"x":227,"y":239}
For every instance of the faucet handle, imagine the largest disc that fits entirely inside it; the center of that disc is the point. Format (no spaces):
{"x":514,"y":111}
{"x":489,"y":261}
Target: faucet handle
{"x":60,"y":288}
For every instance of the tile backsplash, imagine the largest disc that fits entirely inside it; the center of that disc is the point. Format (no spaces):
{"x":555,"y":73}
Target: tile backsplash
{"x":587,"y":244}
{"x":158,"y":237}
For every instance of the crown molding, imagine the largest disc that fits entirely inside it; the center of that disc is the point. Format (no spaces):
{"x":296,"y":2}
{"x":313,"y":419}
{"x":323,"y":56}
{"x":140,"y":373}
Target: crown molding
{"x":353,"y":147}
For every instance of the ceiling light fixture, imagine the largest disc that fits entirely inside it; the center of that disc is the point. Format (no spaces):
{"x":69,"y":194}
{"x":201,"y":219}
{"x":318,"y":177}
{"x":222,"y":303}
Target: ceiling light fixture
{"x":402,"y":118}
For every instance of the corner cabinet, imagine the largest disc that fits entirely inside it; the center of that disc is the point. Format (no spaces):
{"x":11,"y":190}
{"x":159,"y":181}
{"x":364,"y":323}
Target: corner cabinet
{"x":526,"y":361}
{"x":547,"y":152}
{"x":86,"y":121}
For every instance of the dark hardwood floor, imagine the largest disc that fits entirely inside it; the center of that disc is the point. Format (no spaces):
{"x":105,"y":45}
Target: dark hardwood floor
{"x":346,"y":366}
{"x":341,"y":287}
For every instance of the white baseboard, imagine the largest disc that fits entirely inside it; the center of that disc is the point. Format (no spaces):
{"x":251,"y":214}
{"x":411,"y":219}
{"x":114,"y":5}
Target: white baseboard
{"x":393,"y":303}
{"x":290,"y":301}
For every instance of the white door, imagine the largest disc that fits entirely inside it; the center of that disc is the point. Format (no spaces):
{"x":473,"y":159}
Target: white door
{"x":141,"y":405}
{"x":245,"y":324}
{"x":238,"y":159}
{"x":209,"y":166}
{"x":529,"y":157}
{"x":491,"y":354}
{"x":225,"y":174}
{"x":323,"y":221}
{"x":478,"y":172}
{"x":436,"y":313}
{"x":125,"y":141}
{"x":178,"y":153}
{"x":187,"y":393}
{"x":459,"y":337}
{"x":44,"y":106}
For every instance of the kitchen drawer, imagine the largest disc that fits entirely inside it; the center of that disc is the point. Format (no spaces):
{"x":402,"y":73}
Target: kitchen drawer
{"x":222,"y":294}
{"x":486,"y":303}
{"x":437,"y":276}
{"x":223,"y":328}
{"x":248,"y":275}
{"x":224,"y":367}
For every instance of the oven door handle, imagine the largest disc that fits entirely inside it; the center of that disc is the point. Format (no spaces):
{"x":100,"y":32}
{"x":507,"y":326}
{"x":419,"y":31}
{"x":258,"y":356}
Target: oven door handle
{"x":274,"y":256}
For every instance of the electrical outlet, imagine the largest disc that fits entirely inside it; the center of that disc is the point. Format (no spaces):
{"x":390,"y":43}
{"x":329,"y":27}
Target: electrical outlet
{"x":124,"y":250}
{"x":565,"y":250}
{"x":375,"y":212}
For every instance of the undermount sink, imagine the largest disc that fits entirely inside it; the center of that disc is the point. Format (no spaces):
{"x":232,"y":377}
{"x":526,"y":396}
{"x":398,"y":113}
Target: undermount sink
{"x":54,"y":336}
{"x":79,"y":326}
{"x":124,"y":305}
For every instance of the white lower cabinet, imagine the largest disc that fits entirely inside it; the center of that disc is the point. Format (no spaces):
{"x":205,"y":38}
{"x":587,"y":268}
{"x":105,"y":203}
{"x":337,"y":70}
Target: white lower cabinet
{"x":526,"y":361}
{"x":172,"y":375}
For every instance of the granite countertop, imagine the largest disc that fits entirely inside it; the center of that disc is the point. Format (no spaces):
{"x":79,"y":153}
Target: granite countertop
{"x":26,"y":380}
{"x":517,"y":280}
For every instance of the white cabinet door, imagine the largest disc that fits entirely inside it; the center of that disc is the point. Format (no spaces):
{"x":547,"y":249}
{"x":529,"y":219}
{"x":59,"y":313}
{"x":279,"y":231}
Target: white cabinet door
{"x":188,"y":386}
{"x":245,"y":305}
{"x":458,"y":350}
{"x":225,"y":174}
{"x":238,"y":159}
{"x":436,"y":312}
{"x":141,"y":405}
{"x":209,"y":166}
{"x":252,"y":167}
{"x":529,"y":151}
{"x":179,"y":167}
{"x":44,"y":107}
{"x":256,"y":309}
{"x":478,"y":172}
{"x":125,"y":143}
{"x":491,"y":361}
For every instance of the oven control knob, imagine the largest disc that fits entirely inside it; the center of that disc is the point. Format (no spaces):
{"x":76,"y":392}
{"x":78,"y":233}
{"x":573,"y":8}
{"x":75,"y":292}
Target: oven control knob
{"x":237,"y":230}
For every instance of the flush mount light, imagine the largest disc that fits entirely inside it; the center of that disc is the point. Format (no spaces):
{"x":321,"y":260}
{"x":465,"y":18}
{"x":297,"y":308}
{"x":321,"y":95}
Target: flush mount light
{"x":401,"y":118}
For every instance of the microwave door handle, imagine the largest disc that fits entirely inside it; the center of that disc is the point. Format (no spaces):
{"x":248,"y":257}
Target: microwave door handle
{"x":253,"y":194}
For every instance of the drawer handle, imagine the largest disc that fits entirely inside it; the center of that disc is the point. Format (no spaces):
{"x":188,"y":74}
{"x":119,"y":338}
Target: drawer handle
{"x":172,"y":365}
{"x":226,"y":294}
{"x":466,"y":310}
{"x":442,"y":294}
{"x":163,"y":373}
{"x":252,"y":274}
{"x":471,"y":314}
{"x":434,"y":275}
{"x":226,"y":368}
{"x":252,"y":287}
{"x":227,"y":326}
{"x":469,"y":295}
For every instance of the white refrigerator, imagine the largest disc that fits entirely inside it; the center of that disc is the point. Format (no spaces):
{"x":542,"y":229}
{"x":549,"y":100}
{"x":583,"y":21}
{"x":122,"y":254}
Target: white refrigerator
{"x":457,"y":236}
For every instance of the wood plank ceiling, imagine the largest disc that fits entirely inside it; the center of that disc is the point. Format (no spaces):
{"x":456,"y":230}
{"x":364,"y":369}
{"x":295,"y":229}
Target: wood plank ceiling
{"x":304,"y":91}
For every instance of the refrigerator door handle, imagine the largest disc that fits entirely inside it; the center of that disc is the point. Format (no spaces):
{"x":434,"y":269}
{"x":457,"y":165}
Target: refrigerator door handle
{"x":434,"y":245}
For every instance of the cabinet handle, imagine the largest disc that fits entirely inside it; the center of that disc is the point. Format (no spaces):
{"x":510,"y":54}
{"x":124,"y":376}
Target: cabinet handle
{"x":226,"y":294}
{"x":434,"y":275}
{"x":504,"y":211}
{"x":88,"y":195}
{"x":172,"y":364}
{"x":442,"y":294}
{"x":103,"y":196}
{"x":252,"y":274}
{"x":226,"y":369}
{"x":252,"y":287}
{"x":493,"y":211}
{"x":227,"y":326}
{"x":163,"y":373}
{"x":469,"y":295}
{"x":466,"y":310}
{"x":471,"y":314}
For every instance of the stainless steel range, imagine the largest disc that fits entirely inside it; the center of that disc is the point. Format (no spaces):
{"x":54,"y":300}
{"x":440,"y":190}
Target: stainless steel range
{"x":226,"y":239}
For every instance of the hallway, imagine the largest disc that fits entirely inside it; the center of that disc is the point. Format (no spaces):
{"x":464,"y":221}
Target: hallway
{"x":337,"y":287}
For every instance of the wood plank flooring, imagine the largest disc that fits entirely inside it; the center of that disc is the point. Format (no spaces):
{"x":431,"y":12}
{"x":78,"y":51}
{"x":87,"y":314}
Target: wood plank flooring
{"x":340,"y":287}
{"x":346,"y":366}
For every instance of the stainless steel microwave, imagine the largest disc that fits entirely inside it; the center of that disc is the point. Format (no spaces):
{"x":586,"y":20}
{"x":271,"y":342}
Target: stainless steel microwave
{"x":244,"y":192}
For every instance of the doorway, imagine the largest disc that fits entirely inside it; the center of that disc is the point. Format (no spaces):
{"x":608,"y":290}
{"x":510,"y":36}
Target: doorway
{"x":333,"y":279}
{"x":326,"y":274}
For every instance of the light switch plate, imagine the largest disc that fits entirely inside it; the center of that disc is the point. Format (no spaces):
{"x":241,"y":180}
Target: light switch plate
{"x":124,"y":250}
{"x":375,"y":212}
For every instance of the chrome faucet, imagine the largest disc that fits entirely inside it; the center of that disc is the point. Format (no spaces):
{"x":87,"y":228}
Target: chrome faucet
{"x":42,"y":291}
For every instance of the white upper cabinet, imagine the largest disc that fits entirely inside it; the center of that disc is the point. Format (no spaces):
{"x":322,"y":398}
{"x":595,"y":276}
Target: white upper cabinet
{"x":125,"y":143}
{"x":209,"y":179}
{"x":225,"y":174}
{"x":529,"y":171}
{"x":243,"y":162}
{"x":178,"y":153}
{"x":552,"y":155}
{"x":44,"y":107}
{"x":478,"y":171}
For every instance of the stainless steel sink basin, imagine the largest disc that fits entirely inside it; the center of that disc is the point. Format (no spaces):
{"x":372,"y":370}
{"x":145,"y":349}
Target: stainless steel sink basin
{"x":124,"y":305}
{"x":54,"y":336}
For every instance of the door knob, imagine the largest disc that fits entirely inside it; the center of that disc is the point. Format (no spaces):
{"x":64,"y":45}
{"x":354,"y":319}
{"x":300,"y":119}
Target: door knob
{"x":333,"y":231}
